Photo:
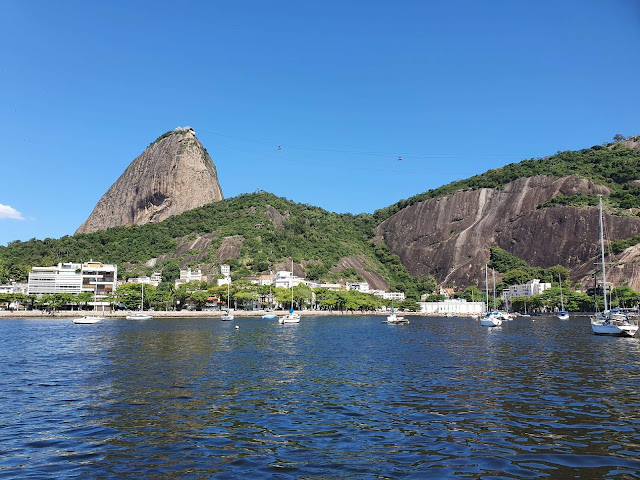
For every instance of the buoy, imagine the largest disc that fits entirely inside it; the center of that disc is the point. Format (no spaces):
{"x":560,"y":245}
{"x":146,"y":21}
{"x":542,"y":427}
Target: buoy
{"x":237,"y":327}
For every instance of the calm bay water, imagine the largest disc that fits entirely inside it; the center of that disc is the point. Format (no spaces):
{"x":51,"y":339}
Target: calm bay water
{"x":332,"y":397}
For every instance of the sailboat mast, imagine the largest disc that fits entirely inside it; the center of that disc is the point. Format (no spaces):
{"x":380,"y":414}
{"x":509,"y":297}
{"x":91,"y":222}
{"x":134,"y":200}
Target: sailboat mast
{"x":486,"y":286}
{"x":604,"y":278}
{"x":493,"y":272}
{"x":561,"y":299}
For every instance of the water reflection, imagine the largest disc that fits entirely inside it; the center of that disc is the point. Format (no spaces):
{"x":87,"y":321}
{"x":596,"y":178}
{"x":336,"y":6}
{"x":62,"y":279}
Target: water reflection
{"x":330,"y":397}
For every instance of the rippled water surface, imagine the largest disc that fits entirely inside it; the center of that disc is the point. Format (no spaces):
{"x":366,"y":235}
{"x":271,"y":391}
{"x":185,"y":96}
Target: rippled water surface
{"x":332,"y":397}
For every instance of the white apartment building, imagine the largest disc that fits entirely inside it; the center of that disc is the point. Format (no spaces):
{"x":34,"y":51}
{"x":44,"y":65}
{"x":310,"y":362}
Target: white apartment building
{"x":95,"y":277}
{"x":358,"y":287}
{"x":225,"y":270}
{"x":285,"y":279}
{"x":187,"y":275}
{"x":457,"y":306}
{"x":529,"y":289}
{"x":396,"y":296}
{"x":155,"y":279}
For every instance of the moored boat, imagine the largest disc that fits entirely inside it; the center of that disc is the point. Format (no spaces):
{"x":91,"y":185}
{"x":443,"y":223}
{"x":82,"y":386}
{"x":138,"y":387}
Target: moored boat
{"x":613,"y":323}
{"x":87,"y":320}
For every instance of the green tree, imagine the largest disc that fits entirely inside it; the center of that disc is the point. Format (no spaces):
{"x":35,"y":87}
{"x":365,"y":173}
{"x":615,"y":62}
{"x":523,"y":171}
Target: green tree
{"x":171,"y":271}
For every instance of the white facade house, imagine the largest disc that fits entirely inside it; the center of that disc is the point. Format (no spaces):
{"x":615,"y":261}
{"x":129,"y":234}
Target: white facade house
{"x":155,"y":279}
{"x":358,"y":287}
{"x":14,"y":288}
{"x":94,"y":277}
{"x":225,"y":270}
{"x":187,"y":275}
{"x":329,"y":286}
{"x":458,"y":306}
{"x":397,"y":296}
{"x":285,"y":279}
{"x":529,"y":289}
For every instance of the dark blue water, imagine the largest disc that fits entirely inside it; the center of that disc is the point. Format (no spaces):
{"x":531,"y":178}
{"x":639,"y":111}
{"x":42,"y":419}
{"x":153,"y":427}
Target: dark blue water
{"x":332,"y":397}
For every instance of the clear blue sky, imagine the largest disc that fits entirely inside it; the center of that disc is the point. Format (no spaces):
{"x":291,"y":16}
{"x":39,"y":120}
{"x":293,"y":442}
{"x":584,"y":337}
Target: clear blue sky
{"x":344,"y":87}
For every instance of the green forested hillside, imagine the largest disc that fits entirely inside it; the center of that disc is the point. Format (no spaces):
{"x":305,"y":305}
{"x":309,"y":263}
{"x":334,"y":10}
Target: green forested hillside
{"x":307,"y":234}
{"x":614,"y":165}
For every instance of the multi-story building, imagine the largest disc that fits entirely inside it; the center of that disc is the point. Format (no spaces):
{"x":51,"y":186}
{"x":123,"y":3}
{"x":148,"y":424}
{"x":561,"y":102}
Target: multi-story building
{"x":458,"y":306}
{"x":155,"y":279}
{"x":358,"y":286}
{"x":529,"y":289}
{"x":286,"y":279}
{"x":96,"y":278}
{"x":187,"y":275}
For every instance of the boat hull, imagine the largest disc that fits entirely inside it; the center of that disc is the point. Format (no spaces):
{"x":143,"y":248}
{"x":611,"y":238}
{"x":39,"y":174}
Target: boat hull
{"x":603,"y":328}
{"x":87,"y":320}
{"x":140,"y":316}
{"x":292,"y":318}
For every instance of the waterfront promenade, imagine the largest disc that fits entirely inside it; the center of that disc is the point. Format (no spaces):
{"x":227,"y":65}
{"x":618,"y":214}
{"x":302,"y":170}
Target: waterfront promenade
{"x":177,"y":313}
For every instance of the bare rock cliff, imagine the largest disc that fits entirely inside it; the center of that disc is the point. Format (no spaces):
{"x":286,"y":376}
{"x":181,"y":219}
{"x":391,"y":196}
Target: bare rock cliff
{"x":449,"y":237}
{"x":173,"y":175}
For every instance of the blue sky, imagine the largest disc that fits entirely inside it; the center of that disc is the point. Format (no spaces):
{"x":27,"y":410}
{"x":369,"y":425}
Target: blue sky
{"x":344,"y":87}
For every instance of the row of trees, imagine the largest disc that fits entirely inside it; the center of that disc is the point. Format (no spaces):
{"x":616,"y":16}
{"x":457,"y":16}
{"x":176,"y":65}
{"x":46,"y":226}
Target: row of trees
{"x":199,"y":295}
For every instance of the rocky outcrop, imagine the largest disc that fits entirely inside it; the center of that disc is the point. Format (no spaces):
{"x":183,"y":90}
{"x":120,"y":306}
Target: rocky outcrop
{"x":449,"y":237}
{"x":173,"y":175}
{"x":365,"y":269}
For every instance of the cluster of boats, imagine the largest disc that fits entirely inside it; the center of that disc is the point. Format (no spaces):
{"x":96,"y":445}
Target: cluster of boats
{"x":614,"y":322}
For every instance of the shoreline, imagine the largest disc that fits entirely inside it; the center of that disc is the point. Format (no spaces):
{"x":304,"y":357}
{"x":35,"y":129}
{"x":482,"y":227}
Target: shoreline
{"x":181,"y":313}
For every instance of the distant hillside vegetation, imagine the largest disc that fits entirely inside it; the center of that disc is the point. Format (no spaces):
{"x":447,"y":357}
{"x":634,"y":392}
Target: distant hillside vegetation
{"x":613,"y":165}
{"x":252,"y":232}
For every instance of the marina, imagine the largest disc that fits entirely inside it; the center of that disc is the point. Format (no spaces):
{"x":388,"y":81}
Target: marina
{"x":331,"y":397}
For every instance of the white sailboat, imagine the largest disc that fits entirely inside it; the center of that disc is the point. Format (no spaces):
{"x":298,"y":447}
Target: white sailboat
{"x":608,"y":323}
{"x":393,"y":318}
{"x":491,"y":318}
{"x":228,"y":316}
{"x":562,"y":314}
{"x":290,"y":317}
{"x":140,"y":315}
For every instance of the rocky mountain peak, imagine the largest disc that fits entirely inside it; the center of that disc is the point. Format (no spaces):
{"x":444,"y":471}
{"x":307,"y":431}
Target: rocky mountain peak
{"x":174,"y":174}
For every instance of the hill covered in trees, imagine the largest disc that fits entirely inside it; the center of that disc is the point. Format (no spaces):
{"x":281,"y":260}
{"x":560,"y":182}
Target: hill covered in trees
{"x":254,"y":233}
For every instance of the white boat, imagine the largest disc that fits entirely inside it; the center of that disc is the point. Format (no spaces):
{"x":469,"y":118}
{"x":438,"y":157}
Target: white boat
{"x":611,"y":323}
{"x":562,"y":314}
{"x":491,"y":319}
{"x":393,"y":318}
{"x":140,"y":315}
{"x":87,"y":320}
{"x":270,"y":316}
{"x":291,"y":317}
{"x":228,"y":316}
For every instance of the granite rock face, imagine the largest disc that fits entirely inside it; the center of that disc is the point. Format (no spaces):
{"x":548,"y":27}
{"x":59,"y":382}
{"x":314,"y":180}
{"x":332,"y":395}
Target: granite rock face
{"x":450,"y":237}
{"x":173,"y":175}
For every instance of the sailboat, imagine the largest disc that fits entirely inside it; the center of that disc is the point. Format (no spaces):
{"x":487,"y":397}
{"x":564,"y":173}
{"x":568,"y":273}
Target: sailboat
{"x":290,"y":317}
{"x":491,"y":319}
{"x":562,"y":314}
{"x":89,"y":319}
{"x":393,"y":318}
{"x":228,"y":316}
{"x":140,"y":315}
{"x":608,"y":323}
